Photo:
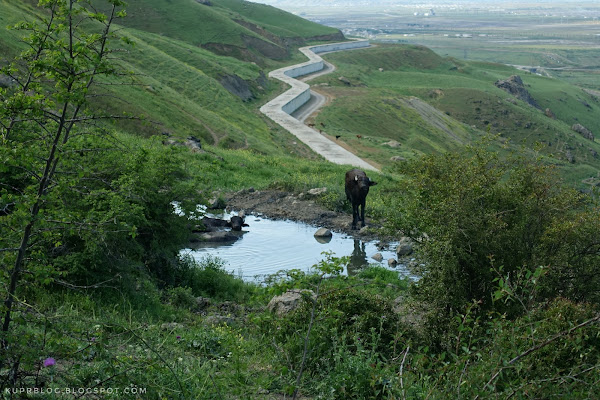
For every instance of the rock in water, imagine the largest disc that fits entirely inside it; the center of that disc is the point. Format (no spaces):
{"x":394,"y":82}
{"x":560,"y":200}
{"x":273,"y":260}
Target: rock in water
{"x":377,"y":257}
{"x":405,"y":247}
{"x":323,"y":232}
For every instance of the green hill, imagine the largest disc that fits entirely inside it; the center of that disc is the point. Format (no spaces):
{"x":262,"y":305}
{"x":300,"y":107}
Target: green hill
{"x":383,"y":90}
{"x":242,"y":29}
{"x":196,"y":68}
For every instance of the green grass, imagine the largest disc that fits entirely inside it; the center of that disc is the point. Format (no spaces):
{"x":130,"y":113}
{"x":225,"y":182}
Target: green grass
{"x":567,"y":56}
{"x":185,"y":20}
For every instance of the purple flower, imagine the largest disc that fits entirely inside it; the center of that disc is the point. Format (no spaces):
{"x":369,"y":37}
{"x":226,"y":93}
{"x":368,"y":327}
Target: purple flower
{"x":48,"y":362}
{"x":178,"y":337}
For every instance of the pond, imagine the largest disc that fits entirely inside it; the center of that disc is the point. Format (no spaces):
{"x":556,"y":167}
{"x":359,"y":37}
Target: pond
{"x":268,"y":246}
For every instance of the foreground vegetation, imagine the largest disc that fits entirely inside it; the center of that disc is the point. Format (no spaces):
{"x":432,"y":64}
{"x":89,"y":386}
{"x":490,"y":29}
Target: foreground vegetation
{"x":98,"y":302}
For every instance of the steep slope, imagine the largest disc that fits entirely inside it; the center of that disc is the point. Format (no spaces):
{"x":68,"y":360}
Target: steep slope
{"x":183,"y":81}
{"x":245,"y":30}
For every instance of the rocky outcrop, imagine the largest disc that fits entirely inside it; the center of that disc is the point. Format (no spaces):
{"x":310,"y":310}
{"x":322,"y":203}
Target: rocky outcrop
{"x":514,"y":85}
{"x":345,"y":81}
{"x":570,"y":157}
{"x":393,"y":143}
{"x":237,"y":86}
{"x":315,"y":192}
{"x":583,"y":131}
{"x":289,"y":301}
{"x":192,"y":143}
{"x":229,"y":50}
{"x":267,"y":49}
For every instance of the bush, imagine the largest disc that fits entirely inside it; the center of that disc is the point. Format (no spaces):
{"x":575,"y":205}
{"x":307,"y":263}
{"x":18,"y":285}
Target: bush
{"x":363,"y":319}
{"x":181,"y":297}
{"x":357,"y":374}
{"x":472,"y":211}
{"x":552,"y":352}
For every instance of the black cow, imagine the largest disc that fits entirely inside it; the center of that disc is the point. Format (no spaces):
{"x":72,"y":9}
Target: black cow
{"x":237,"y":222}
{"x":214,"y":224}
{"x":357,"y":188}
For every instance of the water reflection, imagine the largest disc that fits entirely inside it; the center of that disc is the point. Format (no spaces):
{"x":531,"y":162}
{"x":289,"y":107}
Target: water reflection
{"x":358,"y":259}
{"x":268,"y":246}
{"x":323,"y":239}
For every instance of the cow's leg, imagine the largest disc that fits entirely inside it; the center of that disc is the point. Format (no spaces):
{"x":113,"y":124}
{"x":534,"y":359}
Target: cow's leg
{"x":362,"y":212}
{"x":354,"y":215}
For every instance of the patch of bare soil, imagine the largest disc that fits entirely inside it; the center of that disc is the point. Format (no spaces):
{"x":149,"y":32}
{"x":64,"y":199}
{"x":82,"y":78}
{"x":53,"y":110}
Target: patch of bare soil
{"x":276,"y":204}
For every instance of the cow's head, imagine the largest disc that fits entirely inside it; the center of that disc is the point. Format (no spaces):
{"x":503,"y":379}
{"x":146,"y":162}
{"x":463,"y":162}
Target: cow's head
{"x":237,"y":223}
{"x":363,"y":182}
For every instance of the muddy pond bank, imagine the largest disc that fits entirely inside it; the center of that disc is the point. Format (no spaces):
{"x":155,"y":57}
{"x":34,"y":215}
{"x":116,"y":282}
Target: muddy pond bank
{"x":276,"y":204}
{"x":280,"y":236}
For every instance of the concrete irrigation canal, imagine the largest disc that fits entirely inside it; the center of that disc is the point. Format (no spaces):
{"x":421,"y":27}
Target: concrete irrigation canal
{"x":281,"y":108}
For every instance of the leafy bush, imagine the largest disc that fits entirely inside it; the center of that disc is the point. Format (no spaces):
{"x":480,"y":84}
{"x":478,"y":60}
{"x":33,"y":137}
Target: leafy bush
{"x":357,"y":374}
{"x":181,"y":297}
{"x":471,"y":211}
{"x":552,"y":352}
{"x":363,"y":319}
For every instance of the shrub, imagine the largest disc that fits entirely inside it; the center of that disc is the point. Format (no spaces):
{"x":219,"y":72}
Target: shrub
{"x":552,"y":352}
{"x":365,"y":320}
{"x":357,"y":374}
{"x":472,"y":211}
{"x":181,"y":297}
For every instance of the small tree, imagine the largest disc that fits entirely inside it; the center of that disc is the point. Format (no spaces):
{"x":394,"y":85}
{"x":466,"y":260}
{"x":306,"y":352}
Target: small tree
{"x":41,"y":124}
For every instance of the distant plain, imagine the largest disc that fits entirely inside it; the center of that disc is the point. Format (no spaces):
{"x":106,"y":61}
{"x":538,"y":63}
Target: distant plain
{"x":560,"y":40}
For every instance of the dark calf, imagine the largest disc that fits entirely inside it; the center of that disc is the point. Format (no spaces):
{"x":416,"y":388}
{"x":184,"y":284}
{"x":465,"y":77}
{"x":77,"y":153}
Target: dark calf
{"x":236,"y":223}
{"x":214,"y":224}
{"x":357,"y":188}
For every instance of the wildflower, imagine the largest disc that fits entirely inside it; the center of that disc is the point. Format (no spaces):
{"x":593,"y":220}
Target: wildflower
{"x":48,"y":362}
{"x":178,"y":337}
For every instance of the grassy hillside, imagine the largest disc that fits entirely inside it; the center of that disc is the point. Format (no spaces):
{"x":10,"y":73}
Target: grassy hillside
{"x":195,"y":69}
{"x":250,"y":31}
{"x":379,"y":83}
